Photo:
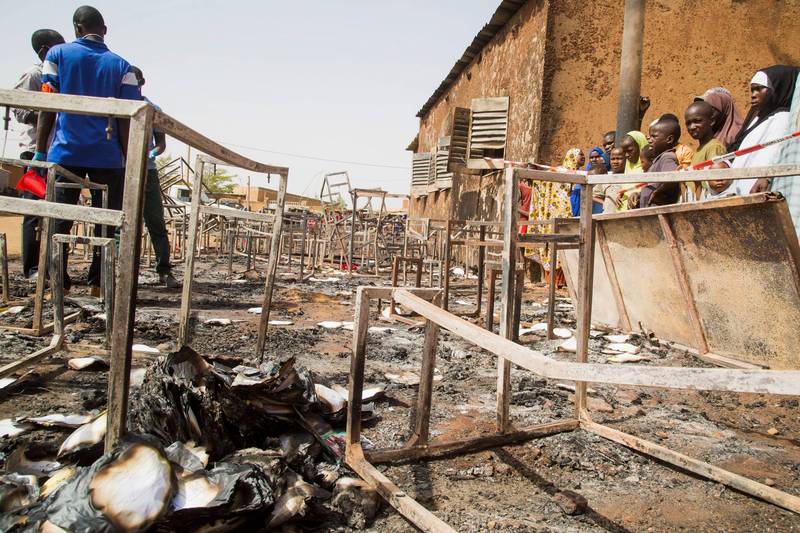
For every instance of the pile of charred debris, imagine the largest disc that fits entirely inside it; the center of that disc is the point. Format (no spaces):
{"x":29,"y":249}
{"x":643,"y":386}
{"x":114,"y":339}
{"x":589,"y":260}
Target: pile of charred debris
{"x":212,"y":445}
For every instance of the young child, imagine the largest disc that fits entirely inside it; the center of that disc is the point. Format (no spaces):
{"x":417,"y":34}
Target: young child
{"x":663,"y":138}
{"x":722,"y":188}
{"x":701,"y":123}
{"x":617,"y":160}
{"x":646,"y":156}
{"x":713,"y":189}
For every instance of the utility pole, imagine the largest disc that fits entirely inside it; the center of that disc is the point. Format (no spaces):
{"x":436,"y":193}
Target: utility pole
{"x":630,"y":68}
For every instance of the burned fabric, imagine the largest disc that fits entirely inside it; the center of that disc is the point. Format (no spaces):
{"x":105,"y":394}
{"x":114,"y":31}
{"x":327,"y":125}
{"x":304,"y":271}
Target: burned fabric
{"x":185,"y":397}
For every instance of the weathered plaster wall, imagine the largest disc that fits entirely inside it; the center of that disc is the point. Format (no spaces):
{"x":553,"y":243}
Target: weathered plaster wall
{"x":510,"y":65}
{"x":690,"y":46}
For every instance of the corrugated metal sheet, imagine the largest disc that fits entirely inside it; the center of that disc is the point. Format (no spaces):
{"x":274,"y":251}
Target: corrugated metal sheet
{"x":501,"y":16}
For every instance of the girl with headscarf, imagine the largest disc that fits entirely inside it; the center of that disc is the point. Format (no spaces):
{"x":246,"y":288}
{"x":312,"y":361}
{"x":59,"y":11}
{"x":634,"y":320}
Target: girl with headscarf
{"x":550,"y":200}
{"x":771,"y":92}
{"x":632,"y":145}
{"x":727,"y":117}
{"x":596,"y":156}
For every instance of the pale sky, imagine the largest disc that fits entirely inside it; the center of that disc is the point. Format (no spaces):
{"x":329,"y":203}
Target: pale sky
{"x":330,"y":79}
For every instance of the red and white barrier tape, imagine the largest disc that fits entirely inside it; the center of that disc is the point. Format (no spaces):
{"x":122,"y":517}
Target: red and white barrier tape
{"x":749,"y":150}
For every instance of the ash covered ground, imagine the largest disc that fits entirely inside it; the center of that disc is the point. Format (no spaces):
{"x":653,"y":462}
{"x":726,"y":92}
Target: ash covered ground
{"x":514,"y":488}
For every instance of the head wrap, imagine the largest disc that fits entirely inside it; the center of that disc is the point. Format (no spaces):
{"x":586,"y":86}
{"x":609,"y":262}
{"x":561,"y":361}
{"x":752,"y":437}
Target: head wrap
{"x":641,"y":141}
{"x":730,"y":121}
{"x":571,"y":159}
{"x":781,"y":81}
{"x":601,"y":153}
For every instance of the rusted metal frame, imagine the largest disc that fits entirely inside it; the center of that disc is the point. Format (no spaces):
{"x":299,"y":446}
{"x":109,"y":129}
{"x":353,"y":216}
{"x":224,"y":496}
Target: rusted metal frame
{"x":191,"y":248}
{"x":4,"y":268}
{"x":682,"y":277}
{"x":732,"y":201}
{"x":608,"y":261}
{"x":481,"y":269}
{"x":290,"y":240}
{"x":44,"y":208}
{"x":354,"y":453}
{"x":437,"y":449}
{"x":235,"y":213}
{"x":272,"y":264}
{"x":233,"y":234}
{"x":701,"y":468}
{"x":448,"y":254}
{"x":790,"y":234}
{"x":354,"y":198}
{"x":405,"y":252}
{"x":775,"y":171}
{"x":583,"y":307}
{"x":396,"y":262}
{"x":378,"y":224}
{"x":780,"y":382}
{"x":490,"y":296}
{"x":304,"y":223}
{"x":529,"y":174}
{"x":56,"y":168}
{"x":141,"y":127}
{"x":108,"y":276}
{"x":214,"y":153}
{"x":46,"y":230}
{"x":551,"y":288}
{"x":507,"y":323}
{"x":64,"y":103}
{"x":422,"y":413}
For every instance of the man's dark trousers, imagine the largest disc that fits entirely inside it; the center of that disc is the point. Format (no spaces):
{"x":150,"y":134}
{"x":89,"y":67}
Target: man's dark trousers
{"x":114,"y":178}
{"x":154,"y":220}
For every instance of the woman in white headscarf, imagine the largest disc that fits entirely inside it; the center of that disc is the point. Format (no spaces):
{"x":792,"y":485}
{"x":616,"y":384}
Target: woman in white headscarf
{"x":769,"y":117}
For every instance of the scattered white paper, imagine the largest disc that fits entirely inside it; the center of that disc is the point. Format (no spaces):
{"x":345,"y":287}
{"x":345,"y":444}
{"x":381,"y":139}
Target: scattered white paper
{"x":561,"y":333}
{"x":13,"y":310}
{"x":143,"y":348}
{"x":623,"y":347}
{"x":330,"y":324}
{"x":254,"y":310}
{"x":280,"y":322}
{"x":9,"y":428}
{"x":626,"y":358}
{"x":617,"y":338}
{"x":569,"y":345}
{"x":79,"y":363}
{"x":218,"y":322}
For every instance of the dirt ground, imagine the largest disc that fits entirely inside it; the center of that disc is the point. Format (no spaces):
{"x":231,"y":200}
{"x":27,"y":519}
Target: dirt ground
{"x":507,"y":489}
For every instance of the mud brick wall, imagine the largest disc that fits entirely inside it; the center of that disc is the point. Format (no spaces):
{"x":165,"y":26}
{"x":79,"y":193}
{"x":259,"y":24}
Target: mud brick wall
{"x":689,"y":46}
{"x":510,"y":65}
{"x":558,"y":61}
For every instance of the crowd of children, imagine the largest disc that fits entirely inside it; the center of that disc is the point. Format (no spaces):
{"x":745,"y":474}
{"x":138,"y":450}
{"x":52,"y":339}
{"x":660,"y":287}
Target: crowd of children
{"x":714,"y":122}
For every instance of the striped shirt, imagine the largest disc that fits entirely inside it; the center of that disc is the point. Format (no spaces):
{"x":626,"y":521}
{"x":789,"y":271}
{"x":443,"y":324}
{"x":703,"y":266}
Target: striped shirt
{"x":86,"y":67}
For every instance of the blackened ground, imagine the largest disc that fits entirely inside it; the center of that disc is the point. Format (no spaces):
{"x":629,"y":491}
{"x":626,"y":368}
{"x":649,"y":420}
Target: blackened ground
{"x":509,"y":488}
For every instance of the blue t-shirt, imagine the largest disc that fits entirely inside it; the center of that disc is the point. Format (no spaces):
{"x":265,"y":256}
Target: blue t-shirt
{"x":86,"y":67}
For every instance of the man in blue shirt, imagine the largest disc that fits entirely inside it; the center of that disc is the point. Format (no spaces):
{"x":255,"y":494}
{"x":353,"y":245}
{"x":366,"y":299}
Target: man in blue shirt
{"x":153,"y":205}
{"x":86,"y":67}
